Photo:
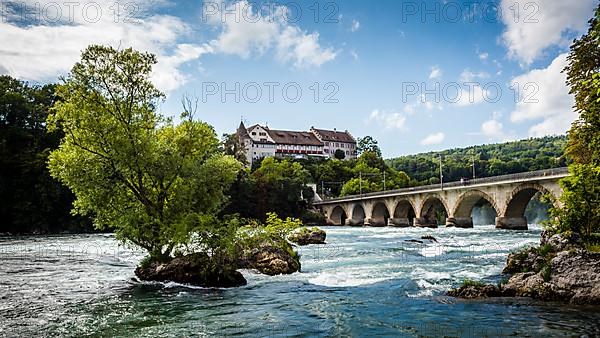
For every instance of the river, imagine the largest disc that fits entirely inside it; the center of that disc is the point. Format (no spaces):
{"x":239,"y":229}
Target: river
{"x":364,"y":282}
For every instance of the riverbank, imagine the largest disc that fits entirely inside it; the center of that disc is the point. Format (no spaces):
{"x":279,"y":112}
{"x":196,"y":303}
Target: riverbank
{"x":559,"y":269}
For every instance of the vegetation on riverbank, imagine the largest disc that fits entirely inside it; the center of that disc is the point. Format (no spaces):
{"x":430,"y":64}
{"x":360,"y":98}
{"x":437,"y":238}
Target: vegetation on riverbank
{"x":31,"y":201}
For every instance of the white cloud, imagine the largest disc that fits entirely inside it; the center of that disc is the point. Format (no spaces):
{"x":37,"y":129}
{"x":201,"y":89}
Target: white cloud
{"x":166,"y":76}
{"x":545,"y":96}
{"x":411,"y":108}
{"x":355,"y":26}
{"x":483,"y":56}
{"x":41,"y":51}
{"x":268,"y":31}
{"x":468,"y":76}
{"x":354,"y":55}
{"x":432,"y":139}
{"x":492,"y":129}
{"x":472,"y":94}
{"x":541,"y":24}
{"x":436,"y":73}
{"x":388,"y":120}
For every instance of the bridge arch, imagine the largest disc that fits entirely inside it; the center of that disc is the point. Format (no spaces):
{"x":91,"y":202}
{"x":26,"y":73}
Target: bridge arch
{"x":404,"y":213}
{"x":380,"y":214}
{"x":520,"y":197}
{"x":338,"y":216}
{"x":462,"y":215}
{"x":513,"y":216}
{"x":358,"y":214}
{"x":467,"y":201}
{"x":434,"y":211}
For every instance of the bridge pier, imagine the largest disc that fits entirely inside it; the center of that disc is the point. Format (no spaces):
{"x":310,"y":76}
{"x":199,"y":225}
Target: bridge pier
{"x":353,"y":223}
{"x":459,"y":222}
{"x":399,"y":222}
{"x":374,"y":222}
{"x":423,"y":222}
{"x":511,"y":223}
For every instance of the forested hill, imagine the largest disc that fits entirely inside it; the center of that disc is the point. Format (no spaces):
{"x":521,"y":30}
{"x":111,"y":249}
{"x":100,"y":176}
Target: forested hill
{"x":490,"y":160}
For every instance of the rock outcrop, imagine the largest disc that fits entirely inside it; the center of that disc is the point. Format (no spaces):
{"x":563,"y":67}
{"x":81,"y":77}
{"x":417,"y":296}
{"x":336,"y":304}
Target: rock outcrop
{"x":572,"y":276}
{"x":270,"y":260}
{"x":194,"y":269}
{"x":306,"y":236}
{"x":476,"y":291}
{"x":559,"y":270}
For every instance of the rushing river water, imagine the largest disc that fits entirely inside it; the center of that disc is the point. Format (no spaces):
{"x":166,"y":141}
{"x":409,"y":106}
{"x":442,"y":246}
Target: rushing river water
{"x":365,"y":282}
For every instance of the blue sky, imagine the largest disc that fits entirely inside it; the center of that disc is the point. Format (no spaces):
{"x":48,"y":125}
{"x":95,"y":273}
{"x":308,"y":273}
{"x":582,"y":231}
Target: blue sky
{"x":416,"y":75}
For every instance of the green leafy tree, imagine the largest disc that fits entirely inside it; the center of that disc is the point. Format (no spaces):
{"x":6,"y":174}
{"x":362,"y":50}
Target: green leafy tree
{"x":130,"y":168}
{"x":580,"y":211}
{"x":231,"y":145}
{"x":370,"y":174}
{"x":355,"y":186}
{"x":334,"y":173}
{"x":275,"y":186}
{"x":582,"y":70}
{"x":30,"y":199}
{"x":281,"y":188}
{"x":339,"y":154}
{"x":368,"y":143}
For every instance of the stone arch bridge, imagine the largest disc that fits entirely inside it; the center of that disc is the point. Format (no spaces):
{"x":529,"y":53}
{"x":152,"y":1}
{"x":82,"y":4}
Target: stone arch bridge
{"x":450,"y":204}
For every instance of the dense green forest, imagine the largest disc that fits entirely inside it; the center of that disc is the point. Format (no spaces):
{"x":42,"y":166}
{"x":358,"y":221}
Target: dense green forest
{"x":490,"y":160}
{"x":30,"y":200}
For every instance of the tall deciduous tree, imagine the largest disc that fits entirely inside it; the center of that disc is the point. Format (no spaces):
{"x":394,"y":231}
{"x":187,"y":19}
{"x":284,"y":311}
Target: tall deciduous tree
{"x":130,"y":168}
{"x":368,"y":143}
{"x":584,"y":65}
{"x":581,"y":193}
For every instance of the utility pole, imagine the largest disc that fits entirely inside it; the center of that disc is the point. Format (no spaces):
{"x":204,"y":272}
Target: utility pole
{"x":473,"y":158}
{"x":384,"y":189}
{"x":360,"y":182}
{"x":441,"y":174}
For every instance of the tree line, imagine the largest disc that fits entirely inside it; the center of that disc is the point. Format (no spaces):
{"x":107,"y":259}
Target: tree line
{"x":488,"y":160}
{"x":31,"y":201}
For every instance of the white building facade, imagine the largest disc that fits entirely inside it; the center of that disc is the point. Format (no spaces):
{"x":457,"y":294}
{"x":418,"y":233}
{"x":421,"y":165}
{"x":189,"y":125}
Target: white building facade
{"x":260,"y":142}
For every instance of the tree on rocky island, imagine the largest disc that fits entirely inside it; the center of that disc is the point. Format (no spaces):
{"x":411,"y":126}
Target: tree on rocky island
{"x":152,"y":180}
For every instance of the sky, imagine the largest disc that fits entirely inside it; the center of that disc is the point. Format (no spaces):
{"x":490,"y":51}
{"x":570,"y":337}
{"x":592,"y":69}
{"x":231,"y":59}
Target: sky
{"x":416,"y":75}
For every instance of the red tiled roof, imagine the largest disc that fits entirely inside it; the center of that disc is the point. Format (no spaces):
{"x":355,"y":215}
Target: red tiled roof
{"x":294,"y":137}
{"x":335,"y":136}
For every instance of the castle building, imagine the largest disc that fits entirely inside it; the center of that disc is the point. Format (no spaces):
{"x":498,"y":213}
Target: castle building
{"x":261,"y":141}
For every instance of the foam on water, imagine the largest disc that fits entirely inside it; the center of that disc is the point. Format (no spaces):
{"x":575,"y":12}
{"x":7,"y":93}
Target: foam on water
{"x":364,"y":282}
